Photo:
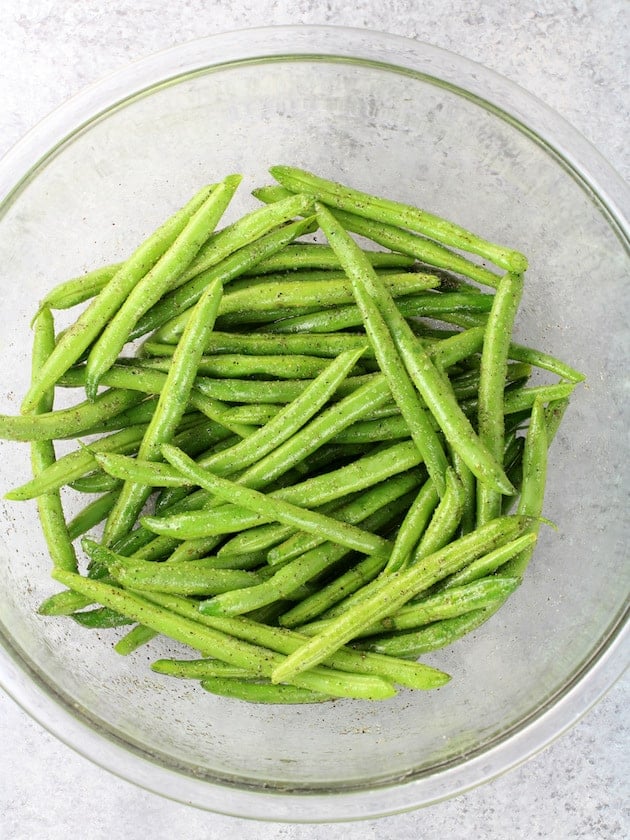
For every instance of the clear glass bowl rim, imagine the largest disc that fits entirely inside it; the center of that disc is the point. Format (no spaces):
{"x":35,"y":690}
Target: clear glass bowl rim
{"x":572,"y":151}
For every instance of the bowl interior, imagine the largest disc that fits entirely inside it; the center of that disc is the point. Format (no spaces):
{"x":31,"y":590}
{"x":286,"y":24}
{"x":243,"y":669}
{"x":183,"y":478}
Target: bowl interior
{"x":412,"y":138}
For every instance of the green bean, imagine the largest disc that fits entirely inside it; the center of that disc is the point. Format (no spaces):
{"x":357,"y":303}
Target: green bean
{"x":433,"y":535}
{"x":283,"y":641}
{"x":139,"y":414}
{"x":428,"y":305}
{"x":280,"y":367}
{"x":325,"y":346}
{"x":75,"y":464}
{"x":397,"y":214}
{"x":311,"y":255}
{"x":169,"y":315}
{"x":219,"y":645}
{"x":77,"y":338}
{"x":393,"y":237}
{"x":537,"y":358}
{"x":375,"y":302}
{"x":298,"y":571}
{"x":95,"y":482}
{"x":334,"y":592}
{"x":523,"y":398}
{"x":278,"y":299}
{"x":156,"y":283}
{"x":78,"y":289}
{"x":67,"y":422}
{"x":490,"y":415}
{"x":553,"y":417}
{"x":139,"y":636}
{"x":148,"y":381}
{"x":533,"y":487}
{"x":449,"y":351}
{"x":260,"y":692}
{"x":289,"y":419}
{"x":193,"y":577}
{"x":414,"y":524}
{"x":168,"y":413}
{"x":249,"y":228}
{"x":338,"y":532}
{"x":298,"y":293}
{"x":487,"y":564}
{"x":353,"y":511}
{"x":92,"y":514}
{"x":199,"y":669}
{"x":49,"y":506}
{"x":467,"y":479}
{"x":315,"y":491}
{"x":100,"y":618}
{"x":437,"y":635}
{"x":402,"y":586}
{"x":64,"y":603}
{"x":445,"y":604}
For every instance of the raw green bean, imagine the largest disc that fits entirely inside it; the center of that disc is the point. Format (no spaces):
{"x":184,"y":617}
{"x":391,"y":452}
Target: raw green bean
{"x":354,"y":511}
{"x":199,"y":669}
{"x":49,"y":506}
{"x":64,"y":603}
{"x":262,"y":692}
{"x":298,"y":293}
{"x":75,"y":464}
{"x":246,"y":230}
{"x":169,"y":315}
{"x":428,"y":305}
{"x":375,"y":302}
{"x":328,"y":345}
{"x":533,"y":487}
{"x":467,"y":480}
{"x":221,"y":646}
{"x":414,"y":524}
{"x":142,"y":378}
{"x":288,"y":420}
{"x":397,"y":214}
{"x":402,"y":586}
{"x":553,"y":417}
{"x":437,"y":635}
{"x":393,"y":237}
{"x":139,"y":636}
{"x":192,"y":577}
{"x":168,"y":413}
{"x":100,"y":618}
{"x":318,"y":490}
{"x":310,"y":255}
{"x":523,"y":398}
{"x":78,"y":289}
{"x":95,"y":482}
{"x":156,"y":283}
{"x":448,"y":351}
{"x":302,"y":568}
{"x":435,"y":534}
{"x":537,"y":358}
{"x":446,"y":604}
{"x":67,"y":422}
{"x":411,"y":674}
{"x":77,"y":338}
{"x":338,"y":532}
{"x":488,"y":564}
{"x":494,"y":356}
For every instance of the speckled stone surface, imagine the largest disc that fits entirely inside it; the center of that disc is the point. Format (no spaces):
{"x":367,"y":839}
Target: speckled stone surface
{"x":573,"y":56}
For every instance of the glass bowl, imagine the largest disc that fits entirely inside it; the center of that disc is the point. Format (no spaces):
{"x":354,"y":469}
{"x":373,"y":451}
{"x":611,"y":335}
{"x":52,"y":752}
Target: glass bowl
{"x":395,"y":117}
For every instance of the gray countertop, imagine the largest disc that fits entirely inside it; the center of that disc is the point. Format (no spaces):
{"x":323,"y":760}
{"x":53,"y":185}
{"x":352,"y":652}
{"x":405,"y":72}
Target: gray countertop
{"x":573,"y":56}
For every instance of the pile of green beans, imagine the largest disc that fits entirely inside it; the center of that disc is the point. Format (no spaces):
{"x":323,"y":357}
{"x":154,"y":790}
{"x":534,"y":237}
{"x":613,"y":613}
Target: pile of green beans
{"x":321,"y":461}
